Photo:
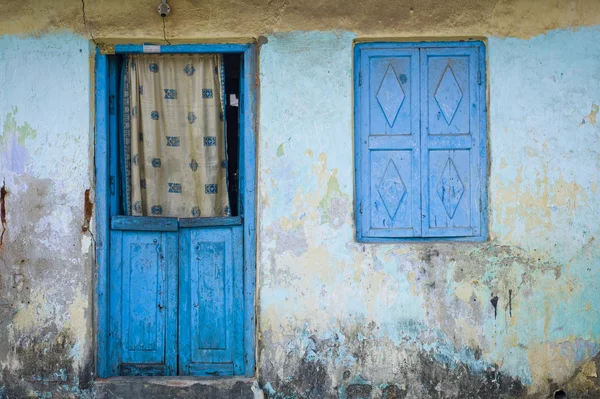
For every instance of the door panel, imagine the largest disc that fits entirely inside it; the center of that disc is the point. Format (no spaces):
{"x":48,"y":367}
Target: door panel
{"x":211,"y":311}
{"x":143,"y":302}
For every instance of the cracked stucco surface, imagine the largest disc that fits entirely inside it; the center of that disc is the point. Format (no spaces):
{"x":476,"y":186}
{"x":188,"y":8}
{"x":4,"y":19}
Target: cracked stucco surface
{"x":389,"y":314}
{"x":45,"y":259}
{"x":336,"y":318}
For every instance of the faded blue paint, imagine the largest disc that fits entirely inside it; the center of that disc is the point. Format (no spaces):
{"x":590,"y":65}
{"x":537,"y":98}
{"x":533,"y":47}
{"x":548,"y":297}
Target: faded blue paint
{"x":328,"y":303}
{"x":419,"y":153}
{"x":45,"y":167}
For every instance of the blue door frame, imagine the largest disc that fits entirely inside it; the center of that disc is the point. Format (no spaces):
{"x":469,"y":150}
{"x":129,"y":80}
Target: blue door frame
{"x":247,"y":176}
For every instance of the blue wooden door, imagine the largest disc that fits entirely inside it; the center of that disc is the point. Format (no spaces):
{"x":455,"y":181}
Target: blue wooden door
{"x":176,"y":296}
{"x":143,"y":298}
{"x":179,"y":291}
{"x":211,"y":301}
{"x":388,"y":91}
{"x":450,"y":141}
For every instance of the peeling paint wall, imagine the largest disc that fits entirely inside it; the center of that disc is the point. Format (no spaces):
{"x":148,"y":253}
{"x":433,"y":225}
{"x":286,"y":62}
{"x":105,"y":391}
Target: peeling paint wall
{"x":45,"y":259}
{"x":514,"y":316}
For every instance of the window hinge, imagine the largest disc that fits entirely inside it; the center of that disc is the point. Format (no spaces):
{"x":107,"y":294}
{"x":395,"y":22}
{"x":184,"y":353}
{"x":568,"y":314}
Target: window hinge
{"x":479,"y":78}
{"x":361,"y":208}
{"x":360,"y":78}
{"x":112,"y":185}
{"x":111,"y":104}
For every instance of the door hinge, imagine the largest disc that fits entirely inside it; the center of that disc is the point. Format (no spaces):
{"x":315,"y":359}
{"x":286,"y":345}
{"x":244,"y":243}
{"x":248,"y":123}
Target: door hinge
{"x":112,"y":185}
{"x":111,"y":104}
{"x":479,"y":78}
{"x":361,"y":208}
{"x":360,"y":78}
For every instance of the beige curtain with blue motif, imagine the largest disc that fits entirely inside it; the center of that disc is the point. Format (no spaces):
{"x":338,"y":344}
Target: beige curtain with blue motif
{"x":174,"y":135}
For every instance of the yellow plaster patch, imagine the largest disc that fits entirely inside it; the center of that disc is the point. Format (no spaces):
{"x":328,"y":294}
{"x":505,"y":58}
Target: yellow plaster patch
{"x":591,"y":117}
{"x":468,"y":333}
{"x":463,"y":291}
{"x":503,"y":163}
{"x":567,"y":194}
{"x":589,"y":369}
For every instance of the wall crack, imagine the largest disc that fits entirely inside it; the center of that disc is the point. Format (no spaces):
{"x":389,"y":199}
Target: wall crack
{"x":85,"y":22}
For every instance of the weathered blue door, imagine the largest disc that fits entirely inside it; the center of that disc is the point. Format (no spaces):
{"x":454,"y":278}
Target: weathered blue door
{"x":176,"y":301}
{"x":176,"y":285}
{"x":143,"y":296}
{"x":210,"y":307}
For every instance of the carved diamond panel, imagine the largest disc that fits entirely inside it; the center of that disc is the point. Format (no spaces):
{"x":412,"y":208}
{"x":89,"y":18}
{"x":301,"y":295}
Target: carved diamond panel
{"x":450,"y":188}
{"x":391,"y":189}
{"x":448,"y":94}
{"x":390,"y":95}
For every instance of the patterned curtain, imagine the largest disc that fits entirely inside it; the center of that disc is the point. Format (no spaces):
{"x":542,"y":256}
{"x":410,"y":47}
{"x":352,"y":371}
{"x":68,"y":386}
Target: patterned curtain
{"x":174,"y":135}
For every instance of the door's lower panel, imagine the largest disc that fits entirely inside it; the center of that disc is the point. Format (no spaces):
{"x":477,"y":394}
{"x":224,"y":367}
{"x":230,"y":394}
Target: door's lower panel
{"x":211,"y":304}
{"x":148,"y":370}
{"x":143,"y":302}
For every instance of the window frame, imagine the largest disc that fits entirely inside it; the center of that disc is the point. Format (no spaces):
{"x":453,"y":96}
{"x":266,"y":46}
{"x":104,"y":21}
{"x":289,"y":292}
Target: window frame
{"x":482,"y":152}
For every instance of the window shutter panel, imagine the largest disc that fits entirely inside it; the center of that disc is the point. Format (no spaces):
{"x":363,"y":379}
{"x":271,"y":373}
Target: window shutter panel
{"x":452,"y":160}
{"x":387,"y":143}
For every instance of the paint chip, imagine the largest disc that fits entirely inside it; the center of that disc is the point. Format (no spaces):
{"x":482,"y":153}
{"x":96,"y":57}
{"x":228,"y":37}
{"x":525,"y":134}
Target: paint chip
{"x":591,"y":118}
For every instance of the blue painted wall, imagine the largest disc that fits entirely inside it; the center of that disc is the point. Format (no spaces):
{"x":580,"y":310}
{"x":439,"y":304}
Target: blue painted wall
{"x":46,"y":262}
{"x":520,"y":305}
{"x":514,"y":315}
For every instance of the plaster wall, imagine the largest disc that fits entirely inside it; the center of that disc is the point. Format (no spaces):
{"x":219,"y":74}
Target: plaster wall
{"x":335,"y":317}
{"x":206,"y":20}
{"x":509,"y":316}
{"x":46,"y":250}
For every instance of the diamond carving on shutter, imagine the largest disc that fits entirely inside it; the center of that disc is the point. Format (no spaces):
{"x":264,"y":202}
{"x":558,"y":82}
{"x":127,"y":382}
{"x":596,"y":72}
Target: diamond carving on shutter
{"x":450,"y":188}
{"x":448,"y":94}
{"x":390,"y":95}
{"x":391,"y":189}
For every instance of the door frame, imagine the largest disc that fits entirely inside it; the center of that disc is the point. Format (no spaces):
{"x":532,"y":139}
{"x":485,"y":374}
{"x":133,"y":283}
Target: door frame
{"x":247,"y":185}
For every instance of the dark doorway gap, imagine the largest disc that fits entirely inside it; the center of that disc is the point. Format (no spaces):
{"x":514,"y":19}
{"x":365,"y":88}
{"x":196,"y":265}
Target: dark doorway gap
{"x":233,"y":67}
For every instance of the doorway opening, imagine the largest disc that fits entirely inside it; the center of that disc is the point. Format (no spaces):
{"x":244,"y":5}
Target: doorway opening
{"x":175,"y":164}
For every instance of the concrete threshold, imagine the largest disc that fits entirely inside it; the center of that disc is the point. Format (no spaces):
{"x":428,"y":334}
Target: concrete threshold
{"x":173,"y":387}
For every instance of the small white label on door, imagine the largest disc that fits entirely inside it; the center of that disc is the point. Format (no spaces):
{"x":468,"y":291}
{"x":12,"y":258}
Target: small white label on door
{"x":151,"y":48}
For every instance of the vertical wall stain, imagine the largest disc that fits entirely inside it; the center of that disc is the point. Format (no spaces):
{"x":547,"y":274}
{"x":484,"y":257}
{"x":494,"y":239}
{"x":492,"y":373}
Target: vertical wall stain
{"x":88,"y":207}
{"x":3,"y":210}
{"x":494,"y":302}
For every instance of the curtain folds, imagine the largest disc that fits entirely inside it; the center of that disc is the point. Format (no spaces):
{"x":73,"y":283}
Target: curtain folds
{"x":175,"y":149}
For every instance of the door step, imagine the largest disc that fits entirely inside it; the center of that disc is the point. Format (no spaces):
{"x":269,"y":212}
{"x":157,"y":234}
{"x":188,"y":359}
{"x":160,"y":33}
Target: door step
{"x":173,"y":387}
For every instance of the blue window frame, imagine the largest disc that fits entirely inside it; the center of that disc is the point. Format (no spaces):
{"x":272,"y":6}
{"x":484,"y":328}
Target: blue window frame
{"x":420,"y":141}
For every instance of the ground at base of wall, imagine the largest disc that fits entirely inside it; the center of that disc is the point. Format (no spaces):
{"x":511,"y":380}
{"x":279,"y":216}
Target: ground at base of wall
{"x":173,"y":387}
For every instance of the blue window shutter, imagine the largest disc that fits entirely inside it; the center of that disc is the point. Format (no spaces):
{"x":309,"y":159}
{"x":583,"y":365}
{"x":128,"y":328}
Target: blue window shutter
{"x":452,"y":154}
{"x":387,"y":142}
